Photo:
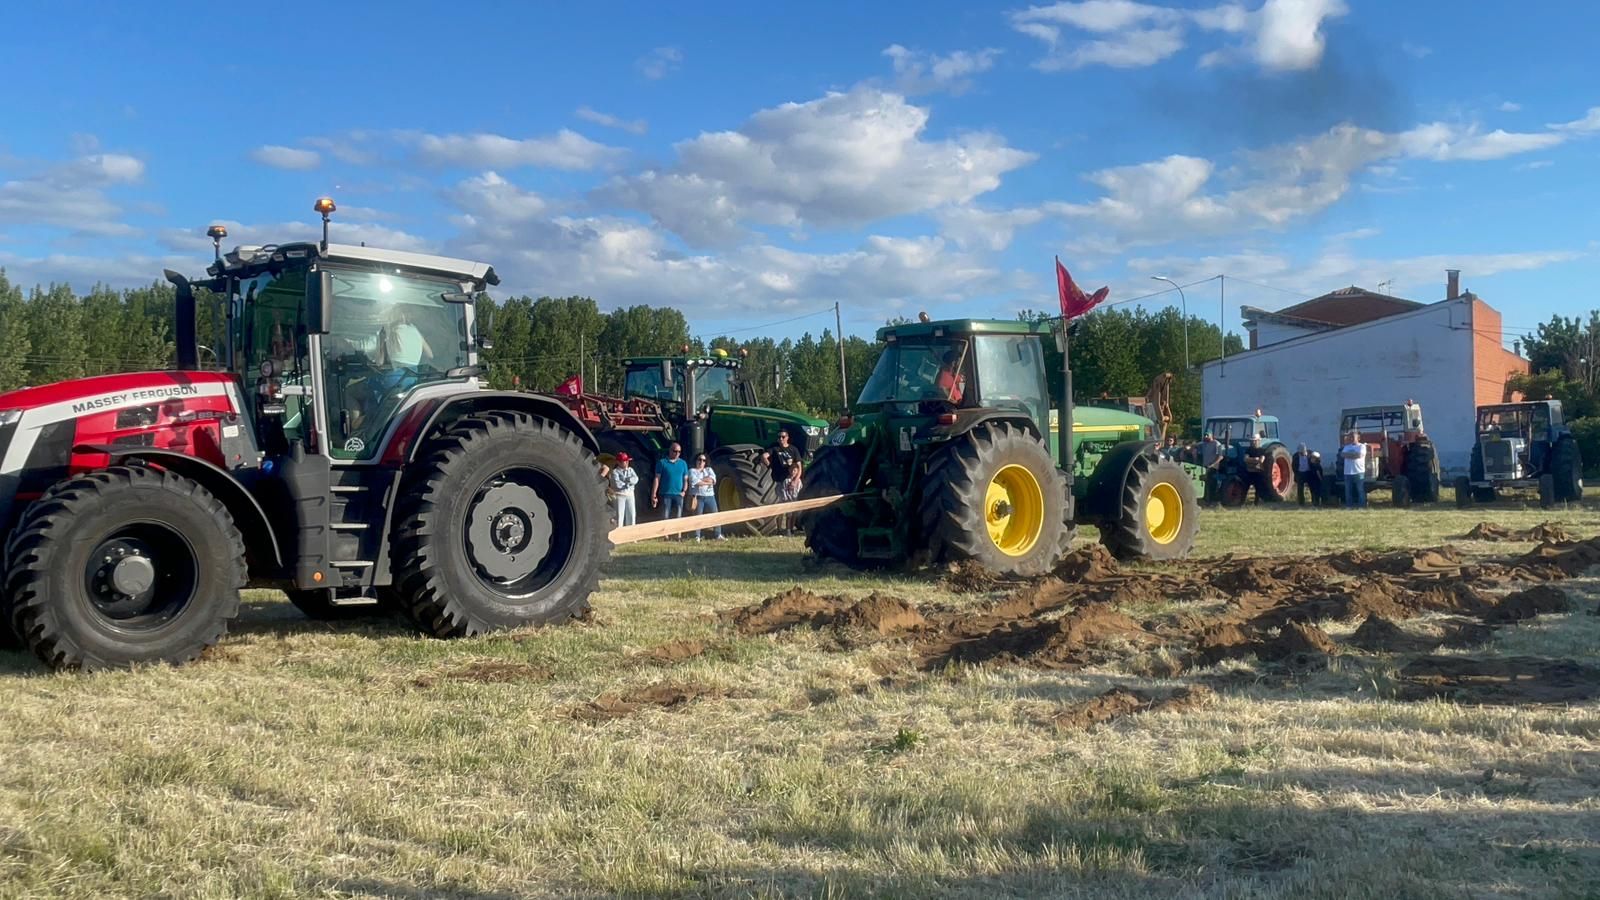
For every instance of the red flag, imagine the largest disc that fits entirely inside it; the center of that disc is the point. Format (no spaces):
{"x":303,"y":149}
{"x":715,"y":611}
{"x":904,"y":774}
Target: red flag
{"x":1074,"y":302}
{"x":572,"y":387}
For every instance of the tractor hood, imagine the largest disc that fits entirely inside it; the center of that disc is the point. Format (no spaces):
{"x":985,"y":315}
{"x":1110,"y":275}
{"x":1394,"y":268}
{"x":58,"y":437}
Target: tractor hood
{"x":783,"y":416}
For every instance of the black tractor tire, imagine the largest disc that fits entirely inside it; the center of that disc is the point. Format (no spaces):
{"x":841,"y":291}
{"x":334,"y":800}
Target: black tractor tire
{"x":1400,"y":488}
{"x":66,"y":559}
{"x":317,"y":604}
{"x":1547,"y":491}
{"x":744,"y":481}
{"x":1566,"y":464}
{"x":1463,"y":492}
{"x":1232,"y":491}
{"x":1154,"y":485}
{"x":1275,"y":483}
{"x":830,"y":532}
{"x":503,"y":524}
{"x":1422,"y":471}
{"x":956,"y":514}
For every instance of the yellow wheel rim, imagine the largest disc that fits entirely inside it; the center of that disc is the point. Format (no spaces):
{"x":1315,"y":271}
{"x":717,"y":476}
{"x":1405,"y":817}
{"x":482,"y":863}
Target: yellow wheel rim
{"x":728,"y":494}
{"x":1013,"y":510}
{"x":1163,"y":513}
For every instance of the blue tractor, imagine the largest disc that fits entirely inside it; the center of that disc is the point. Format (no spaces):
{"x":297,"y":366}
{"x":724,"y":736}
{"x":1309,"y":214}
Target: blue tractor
{"x":1253,"y":458}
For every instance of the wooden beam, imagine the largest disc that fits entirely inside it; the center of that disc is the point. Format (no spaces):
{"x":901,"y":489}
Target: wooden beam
{"x":632,"y":534}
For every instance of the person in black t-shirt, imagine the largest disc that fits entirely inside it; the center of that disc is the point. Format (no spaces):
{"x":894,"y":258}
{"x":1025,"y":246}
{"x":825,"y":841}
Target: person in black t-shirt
{"x":781,"y":457}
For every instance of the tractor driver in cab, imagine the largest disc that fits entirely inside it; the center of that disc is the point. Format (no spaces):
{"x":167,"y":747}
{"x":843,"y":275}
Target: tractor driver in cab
{"x":951,"y":383}
{"x":397,"y":351}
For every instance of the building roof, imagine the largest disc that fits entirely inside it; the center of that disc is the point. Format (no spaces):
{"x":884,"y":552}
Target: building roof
{"x":1346,"y":306}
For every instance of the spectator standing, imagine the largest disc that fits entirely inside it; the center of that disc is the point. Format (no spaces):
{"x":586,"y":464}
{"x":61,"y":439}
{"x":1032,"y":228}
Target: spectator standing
{"x":1302,"y":476}
{"x":1209,"y":455}
{"x":1354,"y":455}
{"x":1318,"y":496}
{"x":789,"y":489}
{"x":620,"y":486}
{"x":781,"y":457}
{"x":671,"y":482}
{"x":1255,"y":465}
{"x":703,"y":492}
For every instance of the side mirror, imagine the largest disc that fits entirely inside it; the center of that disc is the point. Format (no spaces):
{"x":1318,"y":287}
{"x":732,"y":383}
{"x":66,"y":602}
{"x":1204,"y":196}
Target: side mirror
{"x":319,"y":302}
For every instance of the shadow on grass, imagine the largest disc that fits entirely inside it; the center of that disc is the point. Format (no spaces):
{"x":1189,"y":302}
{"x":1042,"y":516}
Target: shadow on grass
{"x":275,"y":618}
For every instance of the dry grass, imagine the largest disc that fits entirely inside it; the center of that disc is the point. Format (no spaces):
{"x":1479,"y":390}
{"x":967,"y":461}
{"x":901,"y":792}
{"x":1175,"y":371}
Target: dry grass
{"x":306,"y":759}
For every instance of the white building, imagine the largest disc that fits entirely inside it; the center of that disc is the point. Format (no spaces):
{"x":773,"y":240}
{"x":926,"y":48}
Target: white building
{"x":1309,"y":362}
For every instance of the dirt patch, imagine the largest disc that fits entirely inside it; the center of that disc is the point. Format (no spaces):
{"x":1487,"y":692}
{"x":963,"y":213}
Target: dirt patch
{"x":1089,"y":563}
{"x":659,"y":696}
{"x":1526,"y":604}
{"x":1065,"y":643}
{"x":1119,"y":702}
{"x":1299,"y":646}
{"x":967,"y":577}
{"x":486,"y":671}
{"x":1561,"y":560}
{"x":1509,"y":680}
{"x":1544,"y":532}
{"x":881,"y":614}
{"x":673,"y":652}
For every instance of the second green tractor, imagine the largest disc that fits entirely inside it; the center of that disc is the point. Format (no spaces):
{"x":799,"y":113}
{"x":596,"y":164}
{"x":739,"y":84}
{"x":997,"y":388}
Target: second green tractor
{"x":953,"y":453}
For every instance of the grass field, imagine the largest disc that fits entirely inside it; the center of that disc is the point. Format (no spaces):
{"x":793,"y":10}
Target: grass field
{"x":307,"y":759}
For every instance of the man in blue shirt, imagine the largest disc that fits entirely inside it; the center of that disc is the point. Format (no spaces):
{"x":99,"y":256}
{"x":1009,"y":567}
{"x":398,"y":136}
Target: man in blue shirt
{"x":671,"y":481}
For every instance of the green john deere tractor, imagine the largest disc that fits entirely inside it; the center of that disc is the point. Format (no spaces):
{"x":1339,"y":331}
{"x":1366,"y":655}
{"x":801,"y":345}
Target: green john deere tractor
{"x":710,"y":406}
{"x":953,"y":453}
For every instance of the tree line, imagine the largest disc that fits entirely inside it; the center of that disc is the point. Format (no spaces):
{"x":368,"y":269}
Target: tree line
{"x":53,"y":333}
{"x":1564,"y":364}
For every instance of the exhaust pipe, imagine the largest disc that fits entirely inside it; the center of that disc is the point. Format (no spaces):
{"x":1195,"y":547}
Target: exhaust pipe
{"x":183,"y":314}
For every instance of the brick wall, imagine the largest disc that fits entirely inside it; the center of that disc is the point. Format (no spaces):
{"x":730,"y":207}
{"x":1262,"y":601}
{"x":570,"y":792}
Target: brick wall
{"x":1491,"y":362}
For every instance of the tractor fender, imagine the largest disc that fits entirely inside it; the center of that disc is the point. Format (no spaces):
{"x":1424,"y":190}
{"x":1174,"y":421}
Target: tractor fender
{"x":260,"y":540}
{"x":1102,"y":500}
{"x":468,"y":402}
{"x":968,"y":420}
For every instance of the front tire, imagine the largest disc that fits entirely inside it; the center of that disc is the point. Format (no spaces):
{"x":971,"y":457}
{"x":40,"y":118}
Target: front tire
{"x":830,"y":532}
{"x":503,"y":525}
{"x":1422,"y":470}
{"x":994,"y":496}
{"x":744,"y":481}
{"x":1566,"y":464}
{"x":1158,"y":515}
{"x":1276,"y":484}
{"x":125,"y":566}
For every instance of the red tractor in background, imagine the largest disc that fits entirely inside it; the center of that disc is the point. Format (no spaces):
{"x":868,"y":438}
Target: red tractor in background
{"x":346,"y":453}
{"x":1400,"y":456}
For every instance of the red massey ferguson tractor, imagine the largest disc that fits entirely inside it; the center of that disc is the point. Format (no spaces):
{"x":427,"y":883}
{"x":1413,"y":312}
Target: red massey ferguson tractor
{"x":345,"y":452}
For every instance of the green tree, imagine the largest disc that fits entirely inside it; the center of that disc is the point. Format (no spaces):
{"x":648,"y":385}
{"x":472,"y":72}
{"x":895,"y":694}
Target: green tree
{"x":55,"y":331}
{"x":14,"y":340}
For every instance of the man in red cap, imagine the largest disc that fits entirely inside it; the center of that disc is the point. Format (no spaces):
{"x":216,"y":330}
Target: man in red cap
{"x":624,"y":481}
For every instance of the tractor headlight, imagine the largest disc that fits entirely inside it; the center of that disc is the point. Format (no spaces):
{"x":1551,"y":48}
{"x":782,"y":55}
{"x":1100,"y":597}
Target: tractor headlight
{"x":813,"y":430}
{"x":9,"y":417}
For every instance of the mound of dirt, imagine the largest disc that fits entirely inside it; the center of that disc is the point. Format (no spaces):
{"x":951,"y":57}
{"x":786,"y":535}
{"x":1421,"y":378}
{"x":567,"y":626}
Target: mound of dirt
{"x":1526,"y":604}
{"x":1064,"y":643}
{"x":1119,"y":702}
{"x":967,"y":577}
{"x":1545,"y":532}
{"x":675,"y":651}
{"x":1509,"y":680}
{"x":1562,"y":560}
{"x":661,"y":696}
{"x":1226,"y":640}
{"x":1433,"y":562}
{"x":1299,"y":646}
{"x":485,"y":671}
{"x":882,"y":614}
{"x":1380,"y":635}
{"x":1087,"y":564}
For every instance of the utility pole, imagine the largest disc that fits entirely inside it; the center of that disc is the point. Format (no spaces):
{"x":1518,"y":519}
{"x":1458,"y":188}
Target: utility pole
{"x":580,"y":354}
{"x":1222,"y":322}
{"x":844,"y":386}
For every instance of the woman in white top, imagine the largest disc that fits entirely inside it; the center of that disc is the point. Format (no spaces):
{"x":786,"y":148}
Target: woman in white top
{"x":621,"y":487}
{"x":703,"y":490}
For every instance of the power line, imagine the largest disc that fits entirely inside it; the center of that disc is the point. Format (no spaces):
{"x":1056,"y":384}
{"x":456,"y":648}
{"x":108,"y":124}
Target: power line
{"x":819,"y":312}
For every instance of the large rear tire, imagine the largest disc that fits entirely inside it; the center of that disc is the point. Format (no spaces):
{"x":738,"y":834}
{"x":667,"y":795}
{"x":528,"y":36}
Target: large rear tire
{"x":1547,"y":491}
{"x":125,"y":566}
{"x":1463,"y":492}
{"x":1276,"y":483}
{"x":744,"y":482}
{"x":1566,"y":464}
{"x":830,"y":532}
{"x":1232,"y":492}
{"x":503,"y":525}
{"x":1158,"y":515}
{"x":994,"y":496}
{"x":1422,"y":470}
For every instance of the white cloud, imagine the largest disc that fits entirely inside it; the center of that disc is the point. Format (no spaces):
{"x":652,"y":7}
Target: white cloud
{"x":1290,"y":36}
{"x":973,"y":228}
{"x":73,"y":195}
{"x":352,"y":147}
{"x":919,"y":72}
{"x":631,"y":126}
{"x":1441,"y":142}
{"x":1282,"y":34}
{"x":193,"y":240}
{"x":1510,"y":107}
{"x":843,"y":159}
{"x":1416,"y":51}
{"x":659,"y":63}
{"x":286,"y":157}
{"x":1355,"y":234}
{"x":489,"y":198}
{"x":1536,"y":164}
{"x":1589,"y":124}
{"x":564,"y":150}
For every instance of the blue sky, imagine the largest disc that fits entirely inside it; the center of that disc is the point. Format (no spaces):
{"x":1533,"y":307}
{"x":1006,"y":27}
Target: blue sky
{"x":752,"y":164}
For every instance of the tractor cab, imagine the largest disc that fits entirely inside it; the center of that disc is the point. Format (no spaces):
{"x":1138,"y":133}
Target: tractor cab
{"x":1387,"y":431}
{"x":711,"y":380}
{"x":958,"y":371}
{"x":1236,"y":432}
{"x":1514,"y":438}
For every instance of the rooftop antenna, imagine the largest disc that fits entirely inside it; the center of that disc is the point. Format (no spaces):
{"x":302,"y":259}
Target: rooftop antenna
{"x":217,"y":233}
{"x":1384,"y":286}
{"x":324,"y":205}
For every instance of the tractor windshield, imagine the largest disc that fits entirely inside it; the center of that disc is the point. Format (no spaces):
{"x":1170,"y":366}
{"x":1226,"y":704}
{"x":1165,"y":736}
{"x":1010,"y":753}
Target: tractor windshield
{"x":714,"y":384}
{"x":644,"y":380}
{"x":913,"y":372}
{"x":392,"y":331}
{"x":1228,"y":430}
